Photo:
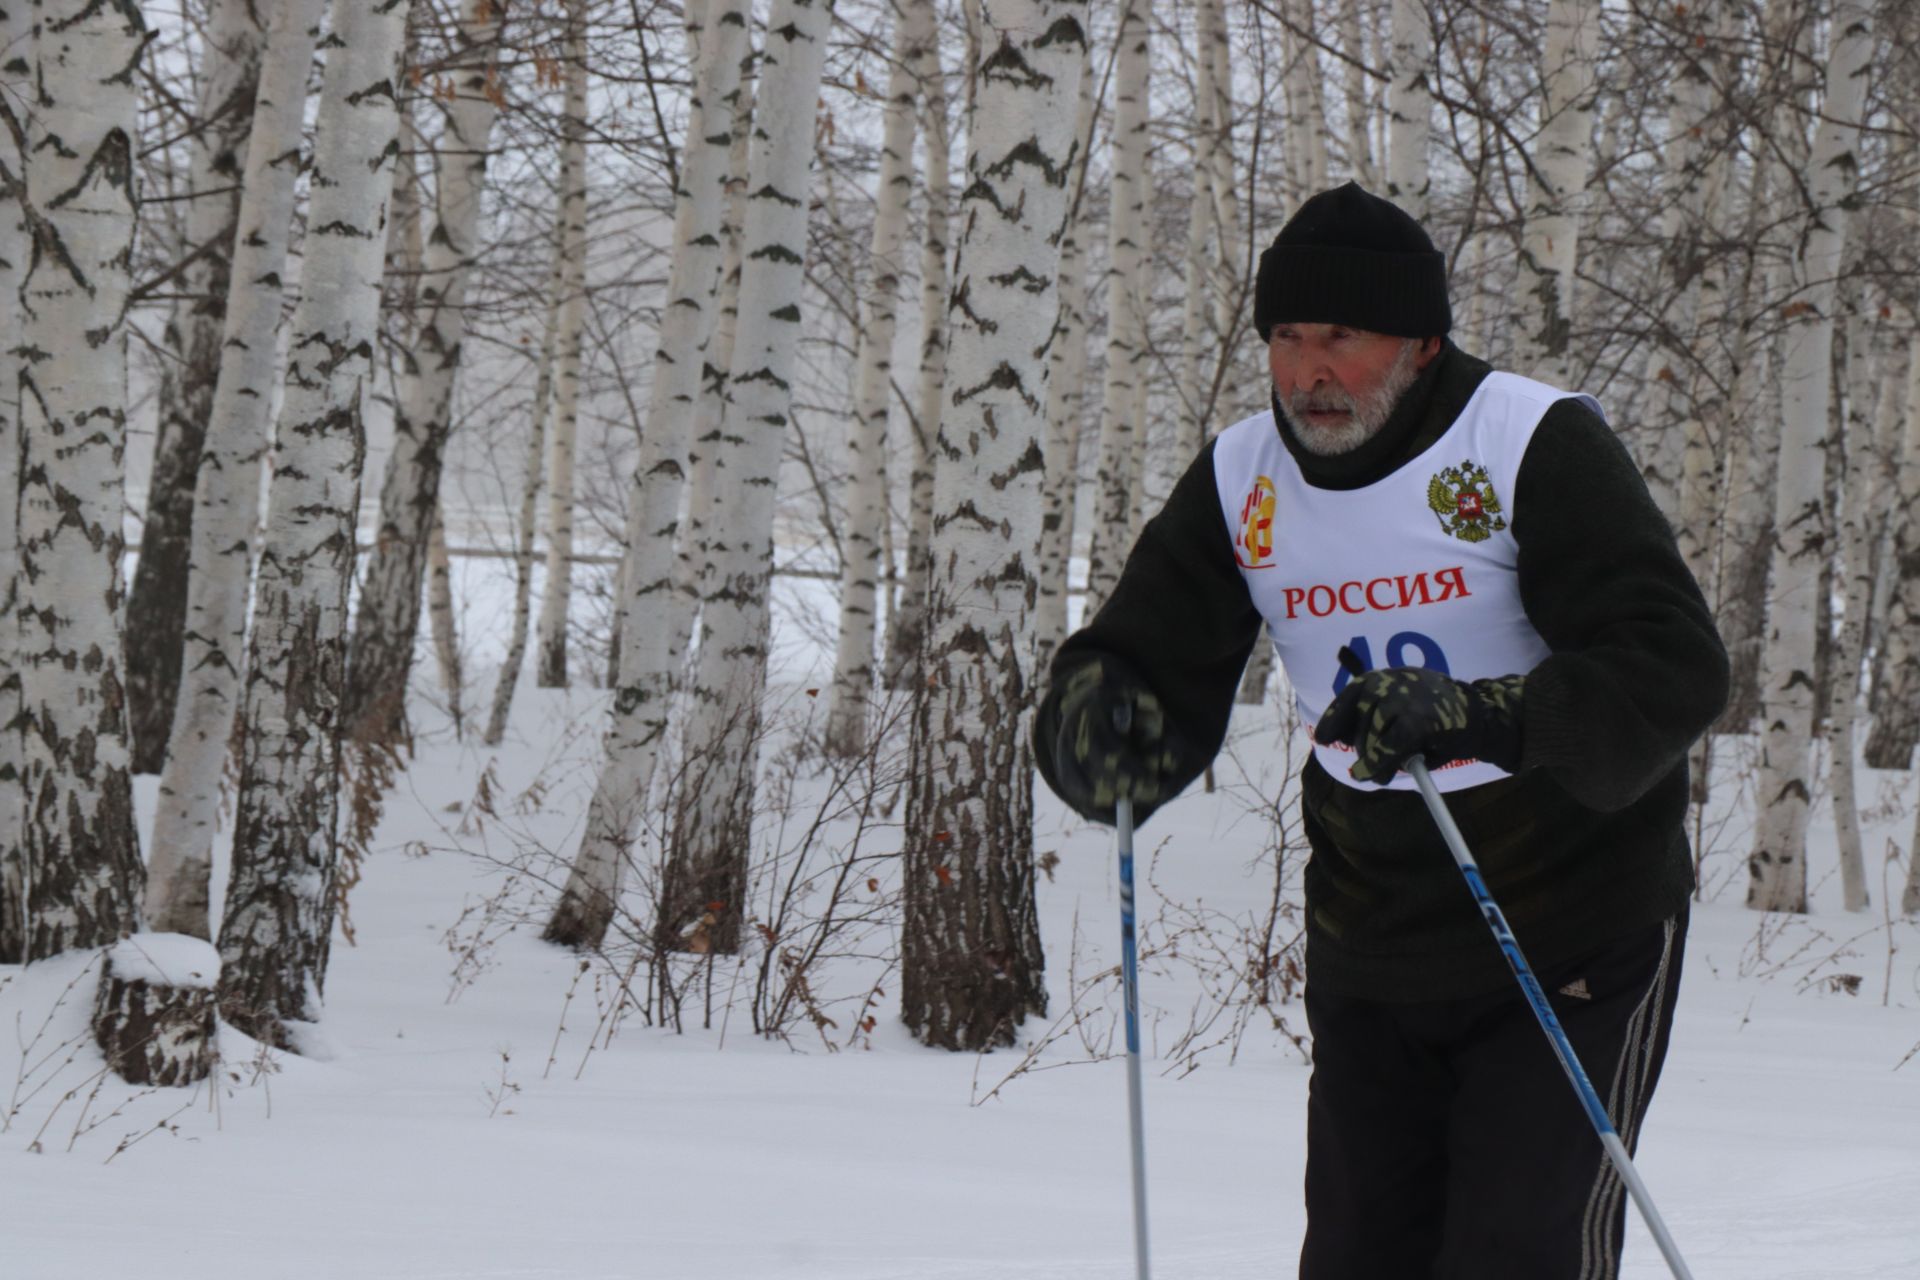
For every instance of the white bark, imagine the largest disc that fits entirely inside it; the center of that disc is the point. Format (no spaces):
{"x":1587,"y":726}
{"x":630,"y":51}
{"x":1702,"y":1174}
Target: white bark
{"x":711,"y":847}
{"x":1549,"y":243}
{"x":1234,"y":261}
{"x":558,"y":590}
{"x":13,"y":260}
{"x":1856,"y":507}
{"x":970,"y":950}
{"x":1066,"y":401}
{"x":636,"y":725}
{"x":853,"y":676}
{"x":1353,"y":69}
{"x":1410,"y":106}
{"x":381,"y":656}
{"x":1897,"y":725}
{"x":1307,"y":135}
{"x":1128,"y":299}
{"x":276,"y":930}
{"x":1673,"y":428}
{"x":446,"y":638}
{"x":527,"y":528}
{"x":711,"y":405}
{"x":229,"y":72}
{"x":1777,"y":864}
{"x":227,"y":490}
{"x":80,"y":856}
{"x":906,"y":631}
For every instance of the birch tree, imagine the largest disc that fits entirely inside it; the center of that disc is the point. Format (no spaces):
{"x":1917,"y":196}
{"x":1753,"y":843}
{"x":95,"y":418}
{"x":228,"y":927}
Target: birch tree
{"x":636,"y":725}
{"x":1353,"y":38}
{"x":906,"y":629}
{"x":558,"y":591}
{"x":13,"y":258}
{"x":528,"y":525}
{"x":1897,"y":726}
{"x":1684,"y":228}
{"x":227,"y":488}
{"x":217,"y":150}
{"x":1066,"y":398}
{"x":1410,"y":106}
{"x":381,"y":655}
{"x":971,"y":962}
{"x":1549,"y":241}
{"x":1777,"y":865}
{"x":853,"y":676}
{"x":1128,"y":300}
{"x":79,"y":852}
{"x":1855,"y":536}
{"x":706,"y":872}
{"x":276,"y":930}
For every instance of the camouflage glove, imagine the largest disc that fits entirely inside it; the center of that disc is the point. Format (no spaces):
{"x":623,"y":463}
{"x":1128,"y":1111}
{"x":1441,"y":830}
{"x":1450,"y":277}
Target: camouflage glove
{"x":1096,"y":760}
{"x":1388,"y":717}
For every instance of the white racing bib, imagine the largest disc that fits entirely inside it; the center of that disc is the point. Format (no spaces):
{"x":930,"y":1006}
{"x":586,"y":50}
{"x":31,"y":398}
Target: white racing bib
{"x":1415,"y":570}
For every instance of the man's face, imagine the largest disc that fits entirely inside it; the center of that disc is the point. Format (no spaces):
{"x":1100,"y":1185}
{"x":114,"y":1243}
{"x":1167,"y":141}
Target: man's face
{"x":1338,"y":385}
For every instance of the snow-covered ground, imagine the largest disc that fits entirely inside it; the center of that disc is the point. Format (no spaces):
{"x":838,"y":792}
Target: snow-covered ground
{"x":466,"y":1118}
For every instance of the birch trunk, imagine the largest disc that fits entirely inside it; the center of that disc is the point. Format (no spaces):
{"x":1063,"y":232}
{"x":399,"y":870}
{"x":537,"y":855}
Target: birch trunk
{"x":381,"y":656}
{"x":1777,"y":865}
{"x":1128,"y":297}
{"x":853,"y":682}
{"x":13,"y":258}
{"x":1307,"y":135}
{"x":906,"y":631}
{"x":636,"y":725}
{"x":1066,"y":401}
{"x":1234,"y":264}
{"x":707,"y":869}
{"x":80,"y":856}
{"x":711,"y":407}
{"x":227,"y":490}
{"x":971,"y":962}
{"x":573,"y":316}
{"x":1410,"y":106}
{"x":1856,"y":508}
{"x":1896,"y":727}
{"x":1353,"y":39}
{"x":278,"y":923}
{"x":216,"y":156}
{"x":528,"y":526}
{"x":1549,"y":244}
{"x":446,"y":638}
{"x":1675,"y":352}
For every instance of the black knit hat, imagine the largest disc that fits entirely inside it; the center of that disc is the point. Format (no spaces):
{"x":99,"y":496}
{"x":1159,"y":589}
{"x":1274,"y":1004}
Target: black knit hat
{"x":1349,"y":257}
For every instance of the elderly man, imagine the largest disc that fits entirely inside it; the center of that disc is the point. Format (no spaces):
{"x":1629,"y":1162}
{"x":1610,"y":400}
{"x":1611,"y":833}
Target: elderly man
{"x":1486,"y":548}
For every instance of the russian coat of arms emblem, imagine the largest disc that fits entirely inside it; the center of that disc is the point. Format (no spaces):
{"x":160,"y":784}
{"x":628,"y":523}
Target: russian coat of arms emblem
{"x":1254,"y":547}
{"x":1463,"y":499}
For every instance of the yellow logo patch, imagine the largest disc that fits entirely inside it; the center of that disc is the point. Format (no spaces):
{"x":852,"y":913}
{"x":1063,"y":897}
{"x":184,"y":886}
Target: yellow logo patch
{"x":1254,"y":547}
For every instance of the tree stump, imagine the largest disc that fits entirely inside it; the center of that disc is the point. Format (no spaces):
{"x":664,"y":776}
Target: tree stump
{"x":154,"y":1016}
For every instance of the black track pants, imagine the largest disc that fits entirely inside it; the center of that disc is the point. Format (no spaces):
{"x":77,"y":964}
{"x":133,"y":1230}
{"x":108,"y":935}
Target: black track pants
{"x":1445,"y":1143}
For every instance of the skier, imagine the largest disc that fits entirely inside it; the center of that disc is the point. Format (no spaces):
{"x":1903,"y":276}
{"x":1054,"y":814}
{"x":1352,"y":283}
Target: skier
{"x":1486,"y":551}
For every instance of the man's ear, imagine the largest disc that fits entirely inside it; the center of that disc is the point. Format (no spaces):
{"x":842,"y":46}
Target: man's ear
{"x":1429,"y":348}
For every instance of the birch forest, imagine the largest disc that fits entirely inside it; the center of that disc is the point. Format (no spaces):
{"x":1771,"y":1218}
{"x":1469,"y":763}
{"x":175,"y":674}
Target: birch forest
{"x":677,"y":436}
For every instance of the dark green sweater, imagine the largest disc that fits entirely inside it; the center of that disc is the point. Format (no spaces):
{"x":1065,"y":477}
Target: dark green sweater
{"x":1587,"y":841}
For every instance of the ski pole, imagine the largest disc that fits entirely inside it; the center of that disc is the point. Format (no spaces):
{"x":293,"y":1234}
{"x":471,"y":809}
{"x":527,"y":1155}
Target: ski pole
{"x":1556,"y":1034}
{"x":1130,"y":989}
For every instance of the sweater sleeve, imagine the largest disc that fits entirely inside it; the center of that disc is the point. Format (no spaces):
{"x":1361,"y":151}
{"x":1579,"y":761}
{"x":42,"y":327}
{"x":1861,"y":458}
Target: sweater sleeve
{"x":1637,"y":671}
{"x":1180,"y":619}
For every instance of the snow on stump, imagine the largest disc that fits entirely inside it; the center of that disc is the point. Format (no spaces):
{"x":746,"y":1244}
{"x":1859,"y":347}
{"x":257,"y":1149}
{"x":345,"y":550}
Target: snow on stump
{"x":154,"y":1018}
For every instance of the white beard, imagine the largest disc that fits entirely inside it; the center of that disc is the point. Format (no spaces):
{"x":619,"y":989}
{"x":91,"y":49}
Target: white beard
{"x":1367,"y":414}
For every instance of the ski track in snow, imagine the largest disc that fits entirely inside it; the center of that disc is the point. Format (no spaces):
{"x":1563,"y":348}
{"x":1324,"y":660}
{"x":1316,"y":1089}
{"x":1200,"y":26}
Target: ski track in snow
{"x":1783,"y":1141}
